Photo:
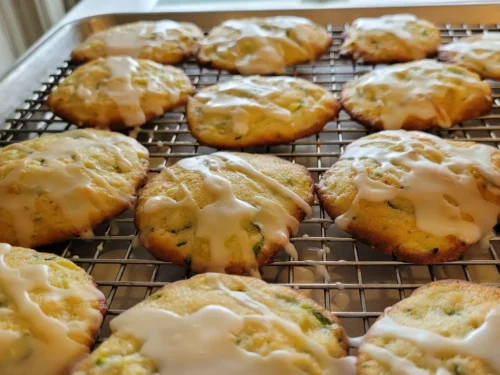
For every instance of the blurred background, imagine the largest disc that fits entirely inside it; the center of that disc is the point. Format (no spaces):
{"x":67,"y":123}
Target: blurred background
{"x":23,"y":22}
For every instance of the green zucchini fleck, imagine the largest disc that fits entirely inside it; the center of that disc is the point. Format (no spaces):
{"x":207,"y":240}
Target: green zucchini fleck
{"x":100,"y":361}
{"x":258,"y":246}
{"x":182,"y":243}
{"x":392,"y":205}
{"x":187,"y":226}
{"x":321,"y":318}
{"x":457,"y":369}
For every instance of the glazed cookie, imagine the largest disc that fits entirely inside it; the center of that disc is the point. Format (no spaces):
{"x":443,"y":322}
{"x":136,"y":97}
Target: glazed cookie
{"x":263,"y":45}
{"x":414,"y":195}
{"x":416,"y":96}
{"x":447,"y":327}
{"x":51,"y":312}
{"x":221,"y":324}
{"x":60,"y":186}
{"x":393,"y":38}
{"x":479,"y":53}
{"x":166,"y":42}
{"x":119,"y":92}
{"x":251,"y":111}
{"x":224,"y":212}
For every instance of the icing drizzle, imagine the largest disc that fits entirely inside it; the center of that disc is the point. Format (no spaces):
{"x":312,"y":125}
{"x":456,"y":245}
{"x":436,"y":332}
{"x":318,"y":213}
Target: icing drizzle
{"x":215,"y":222}
{"x":47,"y":346}
{"x":269,"y":40}
{"x":246,"y":101}
{"x":441,"y":192}
{"x":421,"y":89}
{"x":395,"y":24}
{"x":131,"y":39}
{"x":168,"y":340}
{"x":480,"y":53}
{"x":59,"y":171}
{"x":481,"y":343}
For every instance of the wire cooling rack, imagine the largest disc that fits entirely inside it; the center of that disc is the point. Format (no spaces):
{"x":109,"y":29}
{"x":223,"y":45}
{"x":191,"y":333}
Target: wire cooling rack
{"x":362,"y":281}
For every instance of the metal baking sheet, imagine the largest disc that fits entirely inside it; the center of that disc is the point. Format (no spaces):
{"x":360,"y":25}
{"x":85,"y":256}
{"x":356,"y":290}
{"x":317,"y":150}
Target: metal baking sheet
{"x":362,"y":281}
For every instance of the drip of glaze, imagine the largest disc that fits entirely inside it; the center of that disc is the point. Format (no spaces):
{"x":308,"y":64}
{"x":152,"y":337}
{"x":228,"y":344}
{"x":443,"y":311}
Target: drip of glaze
{"x":134,"y":132}
{"x":329,"y":365}
{"x":47,"y":347}
{"x":428,"y":183}
{"x":240,"y":121}
{"x":88,"y":234}
{"x":395,"y":25}
{"x":319,"y":270}
{"x":481,"y":343}
{"x":355,"y":342}
{"x":114,"y":228}
{"x":135,"y":242}
{"x":120,"y":89}
{"x":272,"y":219}
{"x":339,"y":301}
{"x":64,"y":177}
{"x":269,"y":42}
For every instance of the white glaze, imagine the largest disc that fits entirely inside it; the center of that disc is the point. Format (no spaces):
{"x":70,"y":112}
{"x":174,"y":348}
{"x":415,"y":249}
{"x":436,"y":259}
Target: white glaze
{"x":414,"y":90}
{"x":339,"y":301}
{"x":222,"y":218}
{"x":168,"y":340}
{"x":259,"y":106}
{"x":122,"y":92}
{"x":269,"y":40}
{"x":355,"y":342}
{"x":319,"y":270}
{"x":395,"y":24}
{"x":482,"y":54}
{"x":481,"y":343}
{"x":131,"y":41}
{"x":66,"y":183}
{"x":428,"y":182}
{"x":48,"y":348}
{"x":247,"y":94}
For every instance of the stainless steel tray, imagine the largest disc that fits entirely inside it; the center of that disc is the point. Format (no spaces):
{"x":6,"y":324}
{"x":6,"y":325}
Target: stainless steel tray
{"x":363,"y":281}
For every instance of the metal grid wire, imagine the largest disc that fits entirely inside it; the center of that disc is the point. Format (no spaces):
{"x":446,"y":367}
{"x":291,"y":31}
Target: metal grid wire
{"x":363,"y":281}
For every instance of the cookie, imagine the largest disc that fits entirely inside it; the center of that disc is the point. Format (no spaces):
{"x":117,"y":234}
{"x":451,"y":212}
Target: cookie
{"x":416,"y":96}
{"x":414,"y":195}
{"x":60,"y":186}
{"x":224,"y":212}
{"x":166,"y":42}
{"x":221,"y":324}
{"x":50,"y":312}
{"x":392,"y":38}
{"x":119,"y":92}
{"x":447,"y":327}
{"x":479,"y":53}
{"x":253,"y":111}
{"x":263,"y":45}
